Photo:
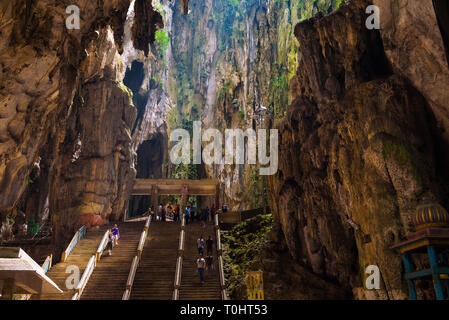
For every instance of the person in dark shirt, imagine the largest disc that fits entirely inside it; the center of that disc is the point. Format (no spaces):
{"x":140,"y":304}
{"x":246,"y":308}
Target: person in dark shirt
{"x":187,"y":214}
{"x":209,"y":245}
{"x":213,"y":210}
{"x":176,"y":213}
{"x":209,"y":263}
{"x":206,"y":215}
{"x":110,"y":242}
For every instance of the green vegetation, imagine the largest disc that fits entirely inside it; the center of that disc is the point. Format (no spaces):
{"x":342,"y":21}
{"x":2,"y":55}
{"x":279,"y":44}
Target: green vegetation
{"x":176,"y":120}
{"x":243,"y":247}
{"x":254,"y":193}
{"x":163,"y":41}
{"x":279,"y":91}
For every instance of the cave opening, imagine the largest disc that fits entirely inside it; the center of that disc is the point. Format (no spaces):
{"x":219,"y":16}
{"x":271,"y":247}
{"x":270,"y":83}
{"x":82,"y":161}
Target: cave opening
{"x":133,"y":79}
{"x":151,"y":156}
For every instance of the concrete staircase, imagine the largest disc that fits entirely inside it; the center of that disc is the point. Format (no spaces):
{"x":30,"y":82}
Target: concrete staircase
{"x":108,"y":280}
{"x":78,"y":257}
{"x":191,"y":287}
{"x":156,"y":271}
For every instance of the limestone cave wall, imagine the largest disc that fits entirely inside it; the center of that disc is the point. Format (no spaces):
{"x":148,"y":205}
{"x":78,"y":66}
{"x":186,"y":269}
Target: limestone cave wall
{"x":66,"y":118}
{"x":362,"y":143}
{"x":228,"y":64}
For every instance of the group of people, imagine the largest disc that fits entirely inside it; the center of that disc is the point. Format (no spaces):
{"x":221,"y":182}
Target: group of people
{"x":202,"y":263}
{"x":162,"y":213}
{"x":207,"y":214}
{"x":171,"y":212}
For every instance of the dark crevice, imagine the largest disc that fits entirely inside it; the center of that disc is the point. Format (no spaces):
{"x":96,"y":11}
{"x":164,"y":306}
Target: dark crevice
{"x":442,"y":13}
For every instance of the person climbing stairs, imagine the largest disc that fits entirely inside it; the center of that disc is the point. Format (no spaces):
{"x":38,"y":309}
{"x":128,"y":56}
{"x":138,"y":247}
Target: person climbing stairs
{"x":108,"y":280}
{"x":156,"y":271}
{"x":191,"y":287}
{"x":79,"y":257}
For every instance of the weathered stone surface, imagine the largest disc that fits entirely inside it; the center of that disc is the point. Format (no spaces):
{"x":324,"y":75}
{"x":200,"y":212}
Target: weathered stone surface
{"x":415,"y":48}
{"x":146,"y":21}
{"x":62,"y":104}
{"x":358,"y":150}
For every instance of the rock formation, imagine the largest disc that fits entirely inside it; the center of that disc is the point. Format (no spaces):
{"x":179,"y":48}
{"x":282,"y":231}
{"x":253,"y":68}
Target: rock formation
{"x":363,"y":140}
{"x":228,"y":64}
{"x":361,"y":144}
{"x":66,"y":112}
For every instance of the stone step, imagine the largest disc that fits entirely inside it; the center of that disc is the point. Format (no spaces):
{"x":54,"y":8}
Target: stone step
{"x":108,"y":280}
{"x":191,"y":287}
{"x":156,"y":272}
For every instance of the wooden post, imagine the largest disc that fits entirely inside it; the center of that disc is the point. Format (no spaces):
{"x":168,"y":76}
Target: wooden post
{"x":155,"y":197}
{"x":184,"y":198}
{"x":436,"y":276}
{"x":409,"y":269}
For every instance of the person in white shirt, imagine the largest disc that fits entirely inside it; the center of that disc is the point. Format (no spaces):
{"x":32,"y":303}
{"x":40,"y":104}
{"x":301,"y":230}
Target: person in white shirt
{"x":200,"y":264}
{"x":200,"y":244}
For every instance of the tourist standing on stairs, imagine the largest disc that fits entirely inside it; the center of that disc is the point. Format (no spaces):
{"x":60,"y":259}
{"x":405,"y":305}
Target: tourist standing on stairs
{"x":209,"y":263}
{"x":170,"y":212}
{"x":213,"y":210}
{"x":205,"y":216}
{"x":110,"y":242}
{"x":159,"y":212}
{"x":176,"y":213}
{"x":200,"y":264}
{"x":209,"y":245}
{"x":200,"y":244}
{"x":187,"y":215}
{"x":116,"y":234}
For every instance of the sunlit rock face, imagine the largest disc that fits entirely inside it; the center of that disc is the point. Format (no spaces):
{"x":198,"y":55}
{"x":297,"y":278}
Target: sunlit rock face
{"x":359,"y":148}
{"x":229,"y":64}
{"x":95,"y":184}
{"x":64,"y":107}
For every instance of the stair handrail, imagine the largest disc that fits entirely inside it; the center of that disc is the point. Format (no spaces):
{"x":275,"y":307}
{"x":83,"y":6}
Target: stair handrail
{"x":178,"y":272}
{"x":182,"y":236}
{"x":47,"y":263}
{"x":102,"y":246}
{"x":224,"y":295}
{"x":177,"y":283}
{"x":136,"y":260}
{"x":85,"y":278}
{"x":131,"y":276}
{"x":143,"y":237}
{"x":79,"y":234}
